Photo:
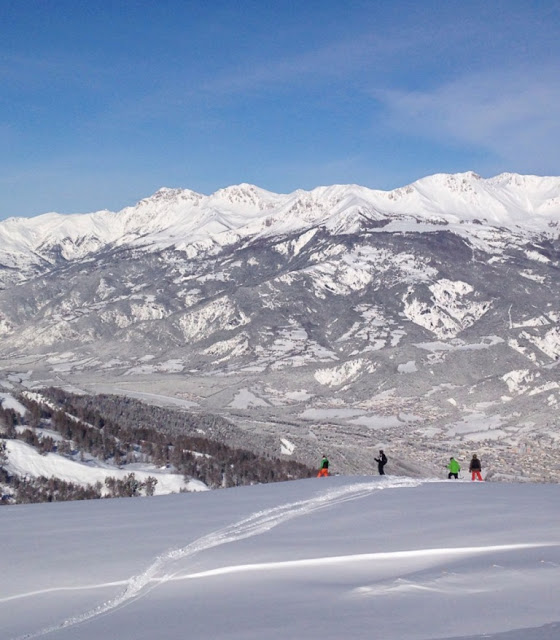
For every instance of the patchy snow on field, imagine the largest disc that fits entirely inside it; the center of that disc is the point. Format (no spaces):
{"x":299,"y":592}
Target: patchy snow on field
{"x":292,"y":347}
{"x":456,"y":344}
{"x":330,"y":414}
{"x":244,"y":399}
{"x":337,"y":376}
{"x":476,"y":427}
{"x":537,"y":256}
{"x":231,"y":348}
{"x":156,"y":398}
{"x":532,"y":276}
{"x":539,"y":321}
{"x":378,"y":422}
{"x":518,"y":381}
{"x":300,"y":395}
{"x":175,"y":365}
{"x":407,"y":367}
{"x":549,"y":344}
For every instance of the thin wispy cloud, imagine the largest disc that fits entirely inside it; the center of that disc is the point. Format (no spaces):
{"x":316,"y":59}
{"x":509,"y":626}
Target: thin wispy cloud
{"x":341,"y":66}
{"x":514,"y":114}
{"x":335,"y":61}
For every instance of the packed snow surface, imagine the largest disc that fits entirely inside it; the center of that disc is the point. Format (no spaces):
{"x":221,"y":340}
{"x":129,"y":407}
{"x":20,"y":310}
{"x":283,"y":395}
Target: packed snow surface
{"x":339,"y":557}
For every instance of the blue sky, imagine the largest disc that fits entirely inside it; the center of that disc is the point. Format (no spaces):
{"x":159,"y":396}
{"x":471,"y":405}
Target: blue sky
{"x":102,"y":103}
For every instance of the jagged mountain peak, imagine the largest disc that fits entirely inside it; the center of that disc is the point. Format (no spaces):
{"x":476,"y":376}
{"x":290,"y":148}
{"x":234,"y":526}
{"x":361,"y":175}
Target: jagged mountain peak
{"x":167,"y":194}
{"x":174,"y":216}
{"x":244,"y":195}
{"x":508,"y":200}
{"x":524,"y":180}
{"x":449,"y":180}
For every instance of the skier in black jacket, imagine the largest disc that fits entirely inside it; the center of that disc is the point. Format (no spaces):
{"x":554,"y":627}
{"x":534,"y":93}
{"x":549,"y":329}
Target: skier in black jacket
{"x":381,"y":462}
{"x":475,"y":468}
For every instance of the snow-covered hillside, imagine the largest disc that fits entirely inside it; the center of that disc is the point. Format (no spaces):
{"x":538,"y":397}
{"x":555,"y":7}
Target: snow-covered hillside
{"x":25,"y":461}
{"x":58,"y":446}
{"x":342,"y":557}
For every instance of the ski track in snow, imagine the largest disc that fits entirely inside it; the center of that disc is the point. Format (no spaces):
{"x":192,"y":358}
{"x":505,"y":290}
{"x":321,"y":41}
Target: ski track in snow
{"x":158,"y":572}
{"x":255,"y":524}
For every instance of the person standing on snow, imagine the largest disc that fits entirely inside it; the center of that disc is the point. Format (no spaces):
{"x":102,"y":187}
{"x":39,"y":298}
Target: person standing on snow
{"x":381,"y":462}
{"x":324,"y":470}
{"x":475,"y":468}
{"x":454,"y":469}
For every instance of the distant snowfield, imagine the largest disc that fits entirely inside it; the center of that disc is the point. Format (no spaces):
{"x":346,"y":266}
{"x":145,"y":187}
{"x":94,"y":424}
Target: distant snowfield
{"x":152,"y":398}
{"x":245,"y":399}
{"x":341,"y":557}
{"x":24,"y":460}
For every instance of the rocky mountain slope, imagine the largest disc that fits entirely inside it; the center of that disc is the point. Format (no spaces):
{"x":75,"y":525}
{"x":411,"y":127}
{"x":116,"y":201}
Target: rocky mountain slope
{"x":424,"y":319}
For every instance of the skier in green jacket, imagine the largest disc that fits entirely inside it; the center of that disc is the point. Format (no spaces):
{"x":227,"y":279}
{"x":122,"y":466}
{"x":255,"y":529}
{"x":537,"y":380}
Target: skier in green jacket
{"x":454,"y":469}
{"x":324,"y":470}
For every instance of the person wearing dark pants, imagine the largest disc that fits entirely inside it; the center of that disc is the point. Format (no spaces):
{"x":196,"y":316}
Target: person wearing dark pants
{"x":454,"y":469}
{"x":381,"y":462}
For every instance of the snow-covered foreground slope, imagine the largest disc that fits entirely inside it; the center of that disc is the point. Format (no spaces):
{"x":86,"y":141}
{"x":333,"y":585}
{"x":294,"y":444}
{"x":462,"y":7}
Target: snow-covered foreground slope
{"x":342,"y":557}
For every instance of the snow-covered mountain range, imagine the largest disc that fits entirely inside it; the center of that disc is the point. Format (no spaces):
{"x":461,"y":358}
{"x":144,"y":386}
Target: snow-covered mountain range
{"x":425,"y":319}
{"x":180,"y":218}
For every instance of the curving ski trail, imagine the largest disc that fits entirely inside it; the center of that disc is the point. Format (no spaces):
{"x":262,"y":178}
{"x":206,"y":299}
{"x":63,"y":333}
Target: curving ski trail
{"x":255,"y":524}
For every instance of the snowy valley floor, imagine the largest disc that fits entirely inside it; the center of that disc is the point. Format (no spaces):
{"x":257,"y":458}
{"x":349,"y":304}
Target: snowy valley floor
{"x":343,"y":557}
